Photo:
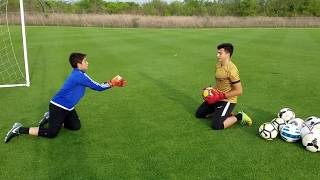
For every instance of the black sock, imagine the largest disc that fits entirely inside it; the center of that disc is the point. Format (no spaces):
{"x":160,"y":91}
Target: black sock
{"x":239,"y":117}
{"x":24,"y":130}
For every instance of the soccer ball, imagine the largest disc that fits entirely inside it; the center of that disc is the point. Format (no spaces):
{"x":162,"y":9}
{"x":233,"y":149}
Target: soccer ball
{"x":305,"y":130}
{"x":316,"y":128}
{"x":286,"y":114}
{"x":311,"y":118}
{"x":290,"y":133}
{"x":296,"y":121}
{"x":268,"y":131}
{"x":312,"y":121}
{"x":208,"y":91}
{"x":311,"y":142}
{"x":278,"y":123}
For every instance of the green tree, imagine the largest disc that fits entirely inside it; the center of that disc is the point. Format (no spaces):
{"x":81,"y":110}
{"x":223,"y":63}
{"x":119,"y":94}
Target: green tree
{"x":13,"y":6}
{"x":195,"y":8}
{"x":276,"y":8}
{"x":90,"y":6}
{"x":175,"y":8}
{"x":117,"y":7}
{"x":248,"y":7}
{"x":314,"y":7}
{"x":155,"y":7}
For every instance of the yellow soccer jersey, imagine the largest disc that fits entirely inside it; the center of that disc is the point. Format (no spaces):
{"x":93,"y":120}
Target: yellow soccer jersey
{"x":225,"y":77}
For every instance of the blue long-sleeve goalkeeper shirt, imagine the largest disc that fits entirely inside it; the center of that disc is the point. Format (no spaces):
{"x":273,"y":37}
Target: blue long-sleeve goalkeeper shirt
{"x":73,"y":89}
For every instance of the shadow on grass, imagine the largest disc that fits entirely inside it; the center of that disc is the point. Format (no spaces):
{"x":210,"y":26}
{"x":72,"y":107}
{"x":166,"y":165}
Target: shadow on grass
{"x":258,"y":116}
{"x":174,"y":94}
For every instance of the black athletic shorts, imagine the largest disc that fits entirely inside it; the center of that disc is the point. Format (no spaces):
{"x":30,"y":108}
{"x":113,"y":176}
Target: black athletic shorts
{"x":57,"y":118}
{"x":220,"y":110}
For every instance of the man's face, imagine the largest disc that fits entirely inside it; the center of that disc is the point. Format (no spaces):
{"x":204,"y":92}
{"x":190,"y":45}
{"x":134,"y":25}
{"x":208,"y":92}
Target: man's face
{"x":222,"y":55}
{"x":84,"y":65}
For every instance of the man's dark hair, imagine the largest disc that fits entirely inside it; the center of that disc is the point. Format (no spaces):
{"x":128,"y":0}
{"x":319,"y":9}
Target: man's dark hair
{"x":228,"y":47}
{"x":76,"y":58}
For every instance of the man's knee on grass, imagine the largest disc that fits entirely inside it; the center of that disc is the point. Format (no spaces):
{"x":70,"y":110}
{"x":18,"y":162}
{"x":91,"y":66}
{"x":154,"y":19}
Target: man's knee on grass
{"x":217,"y":125}
{"x":200,"y":114}
{"x":217,"y":121}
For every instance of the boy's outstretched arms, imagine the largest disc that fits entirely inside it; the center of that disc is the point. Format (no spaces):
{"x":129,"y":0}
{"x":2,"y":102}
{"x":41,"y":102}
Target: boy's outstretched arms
{"x":117,"y":81}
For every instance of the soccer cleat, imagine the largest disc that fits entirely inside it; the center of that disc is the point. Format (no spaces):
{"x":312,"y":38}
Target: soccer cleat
{"x":14,"y":131}
{"x":246,"y":120}
{"x":44,"y":120}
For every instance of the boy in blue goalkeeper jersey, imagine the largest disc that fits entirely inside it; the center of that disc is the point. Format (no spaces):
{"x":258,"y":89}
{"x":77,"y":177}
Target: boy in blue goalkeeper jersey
{"x":61,"y":107}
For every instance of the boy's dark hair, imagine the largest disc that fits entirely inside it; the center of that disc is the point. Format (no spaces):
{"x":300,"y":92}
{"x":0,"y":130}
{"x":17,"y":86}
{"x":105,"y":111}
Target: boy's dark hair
{"x":76,"y":58}
{"x":228,"y":47}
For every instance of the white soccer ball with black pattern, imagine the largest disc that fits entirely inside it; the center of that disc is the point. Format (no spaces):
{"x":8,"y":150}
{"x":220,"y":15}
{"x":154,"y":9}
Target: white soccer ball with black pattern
{"x":290,"y":133}
{"x":286,"y":114}
{"x":305,"y":130}
{"x":268,"y":131}
{"x":278,"y":123}
{"x":316,"y":129}
{"x":312,"y":121}
{"x":297,"y":121}
{"x":311,"y":142}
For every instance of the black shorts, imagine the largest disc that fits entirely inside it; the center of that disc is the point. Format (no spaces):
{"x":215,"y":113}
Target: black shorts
{"x":57,"y":118}
{"x":220,"y":110}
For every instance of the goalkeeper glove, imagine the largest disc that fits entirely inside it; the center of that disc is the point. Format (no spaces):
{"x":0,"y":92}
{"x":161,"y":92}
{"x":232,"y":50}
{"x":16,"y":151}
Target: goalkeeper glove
{"x":117,"y":81}
{"x":215,"y":97}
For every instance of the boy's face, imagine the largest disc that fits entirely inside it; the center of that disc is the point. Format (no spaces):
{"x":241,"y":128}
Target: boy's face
{"x":222,"y":55}
{"x":83,"y":66}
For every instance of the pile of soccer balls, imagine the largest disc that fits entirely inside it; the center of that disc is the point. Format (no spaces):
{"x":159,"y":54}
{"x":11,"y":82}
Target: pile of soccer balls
{"x":292,"y":129}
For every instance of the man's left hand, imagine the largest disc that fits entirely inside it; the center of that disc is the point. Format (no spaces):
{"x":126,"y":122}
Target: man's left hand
{"x":218,"y":96}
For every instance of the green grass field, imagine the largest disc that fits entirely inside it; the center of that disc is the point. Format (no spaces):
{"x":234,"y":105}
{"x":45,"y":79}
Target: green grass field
{"x":147,"y":130}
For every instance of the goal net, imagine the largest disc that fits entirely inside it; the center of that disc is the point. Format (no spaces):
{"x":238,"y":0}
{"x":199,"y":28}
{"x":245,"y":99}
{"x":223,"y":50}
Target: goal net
{"x":13,"y":52}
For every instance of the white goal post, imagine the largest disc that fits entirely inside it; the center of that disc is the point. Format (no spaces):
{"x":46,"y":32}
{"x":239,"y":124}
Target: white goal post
{"x":11,"y":74}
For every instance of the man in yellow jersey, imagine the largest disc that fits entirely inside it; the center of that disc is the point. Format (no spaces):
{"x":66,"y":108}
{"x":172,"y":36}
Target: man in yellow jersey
{"x":228,"y":87}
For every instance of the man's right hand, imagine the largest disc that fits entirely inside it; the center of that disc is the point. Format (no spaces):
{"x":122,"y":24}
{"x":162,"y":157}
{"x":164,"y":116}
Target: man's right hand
{"x":215,"y":97}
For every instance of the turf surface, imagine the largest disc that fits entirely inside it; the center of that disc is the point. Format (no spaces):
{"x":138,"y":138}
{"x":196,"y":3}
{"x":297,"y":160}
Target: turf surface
{"x":147,"y":130}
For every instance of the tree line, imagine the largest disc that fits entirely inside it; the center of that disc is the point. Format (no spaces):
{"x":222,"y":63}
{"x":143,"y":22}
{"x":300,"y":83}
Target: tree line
{"x":281,"y":8}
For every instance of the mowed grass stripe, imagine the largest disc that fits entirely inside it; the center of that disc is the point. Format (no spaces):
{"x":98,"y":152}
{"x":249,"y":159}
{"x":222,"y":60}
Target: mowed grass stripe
{"x":148,"y":129}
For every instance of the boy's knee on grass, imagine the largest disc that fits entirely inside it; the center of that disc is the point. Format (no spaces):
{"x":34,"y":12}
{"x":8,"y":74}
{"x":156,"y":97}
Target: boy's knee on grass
{"x":73,"y":127}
